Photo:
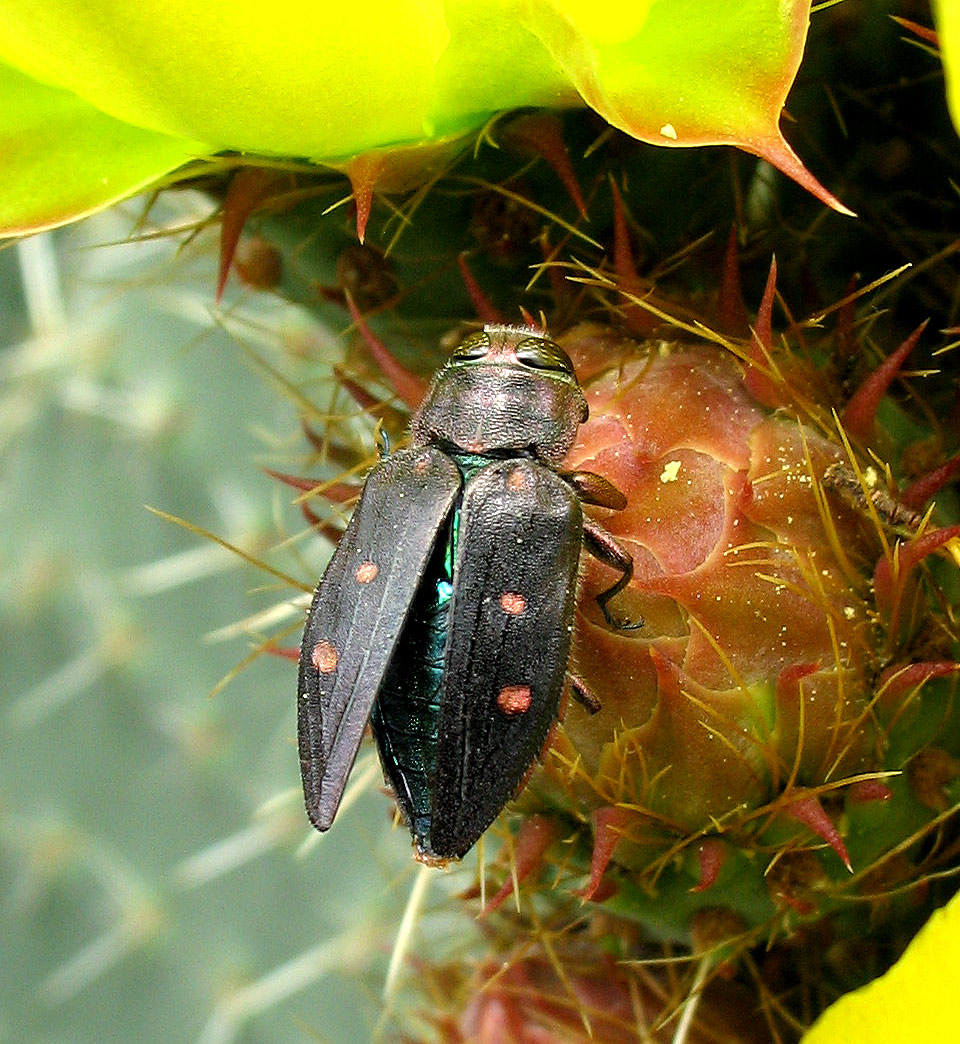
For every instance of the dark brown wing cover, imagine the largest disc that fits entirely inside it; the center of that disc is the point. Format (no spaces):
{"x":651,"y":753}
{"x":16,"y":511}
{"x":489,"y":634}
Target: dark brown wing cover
{"x":508,"y":643}
{"x":358,"y":612}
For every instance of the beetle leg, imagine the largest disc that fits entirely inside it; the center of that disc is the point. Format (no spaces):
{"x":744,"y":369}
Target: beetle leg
{"x":592,"y":488}
{"x":582,"y":692}
{"x":383,"y":440}
{"x":605,"y":547}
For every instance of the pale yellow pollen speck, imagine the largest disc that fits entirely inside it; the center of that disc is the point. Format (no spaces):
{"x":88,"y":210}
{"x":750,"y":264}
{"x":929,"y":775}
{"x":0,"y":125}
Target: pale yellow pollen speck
{"x":849,"y":612}
{"x":670,"y":471}
{"x":668,"y":131}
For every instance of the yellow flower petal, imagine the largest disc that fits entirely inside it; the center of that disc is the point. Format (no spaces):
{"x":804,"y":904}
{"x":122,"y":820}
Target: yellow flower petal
{"x":916,"y":1002}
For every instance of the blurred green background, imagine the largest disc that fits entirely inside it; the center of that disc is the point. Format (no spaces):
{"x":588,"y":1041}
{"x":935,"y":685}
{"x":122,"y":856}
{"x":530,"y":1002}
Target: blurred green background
{"x":154,"y":882}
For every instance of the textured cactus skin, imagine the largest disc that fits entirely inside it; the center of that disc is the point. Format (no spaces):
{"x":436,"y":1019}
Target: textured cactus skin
{"x":118,"y":768}
{"x":109,"y":795}
{"x":749,"y":716}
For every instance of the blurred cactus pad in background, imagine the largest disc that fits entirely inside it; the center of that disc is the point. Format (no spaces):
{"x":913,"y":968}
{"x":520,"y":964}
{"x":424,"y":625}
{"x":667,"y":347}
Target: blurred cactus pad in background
{"x":743,"y":844}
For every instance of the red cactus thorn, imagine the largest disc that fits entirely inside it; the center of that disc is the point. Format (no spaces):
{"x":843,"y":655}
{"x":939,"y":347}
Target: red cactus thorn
{"x":410,"y":387}
{"x":926,"y":487}
{"x":248,"y":188}
{"x":640,"y":321}
{"x":711,"y":855}
{"x":865,"y":791}
{"x":731,"y":309}
{"x":364,"y":172}
{"x":543,"y":133}
{"x":535,"y":837}
{"x":482,"y":304}
{"x":806,"y":809}
{"x":929,"y":36}
{"x":892,"y":571}
{"x":860,"y":412}
{"x":757,"y":379}
{"x":609,"y":823}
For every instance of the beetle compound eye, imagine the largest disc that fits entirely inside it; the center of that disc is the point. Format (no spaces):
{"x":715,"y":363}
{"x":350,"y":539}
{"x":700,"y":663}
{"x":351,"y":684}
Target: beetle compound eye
{"x":514,"y":699}
{"x":475,"y":346}
{"x":544,"y":354}
{"x":324,"y":657}
{"x":512,"y":603}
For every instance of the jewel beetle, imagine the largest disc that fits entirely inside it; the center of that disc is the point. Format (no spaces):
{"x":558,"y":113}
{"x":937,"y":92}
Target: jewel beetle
{"x":444,"y":616}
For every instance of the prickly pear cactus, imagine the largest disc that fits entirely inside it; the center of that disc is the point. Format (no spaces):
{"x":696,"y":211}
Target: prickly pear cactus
{"x":763,"y":811}
{"x":149,"y":829}
{"x":760,"y":816}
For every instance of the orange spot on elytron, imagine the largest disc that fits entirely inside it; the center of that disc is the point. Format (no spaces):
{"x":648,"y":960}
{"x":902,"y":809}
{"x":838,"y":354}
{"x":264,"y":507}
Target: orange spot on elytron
{"x":514,"y":699}
{"x":324,"y":657}
{"x":422,"y":464}
{"x":513,"y":603}
{"x":517,"y":479}
{"x":366,"y":572}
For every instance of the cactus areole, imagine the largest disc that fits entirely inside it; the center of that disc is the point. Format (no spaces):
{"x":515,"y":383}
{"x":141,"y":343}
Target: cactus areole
{"x":444,"y":615}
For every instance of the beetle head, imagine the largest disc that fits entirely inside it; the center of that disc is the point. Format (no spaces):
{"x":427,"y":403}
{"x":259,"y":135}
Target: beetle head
{"x":505,"y":388}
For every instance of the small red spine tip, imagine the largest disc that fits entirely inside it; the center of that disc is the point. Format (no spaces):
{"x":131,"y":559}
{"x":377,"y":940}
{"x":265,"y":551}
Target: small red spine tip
{"x":804,"y":907}
{"x":866,"y":791}
{"x":731,"y":308}
{"x":248,"y":188}
{"x":896,"y":681}
{"x":364,"y":171}
{"x":926,"y":34}
{"x":775,"y":150}
{"x":543,"y":133}
{"x":356,"y":390}
{"x":757,"y":380}
{"x":409,"y":387}
{"x":535,"y":837}
{"x":765,"y":312}
{"x":916,"y":495}
{"x":638,"y":319}
{"x":889,"y":583}
{"x":609,"y":824}
{"x":806,"y":809}
{"x":483,"y":306}
{"x":711,"y":855}
{"x":337,"y":492}
{"x":859,"y":414}
{"x":528,"y":320}
{"x":788,"y":681}
{"x":623,"y":262}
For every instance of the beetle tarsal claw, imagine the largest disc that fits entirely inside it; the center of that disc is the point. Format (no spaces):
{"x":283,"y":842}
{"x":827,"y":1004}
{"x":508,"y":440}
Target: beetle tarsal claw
{"x":621,"y":625}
